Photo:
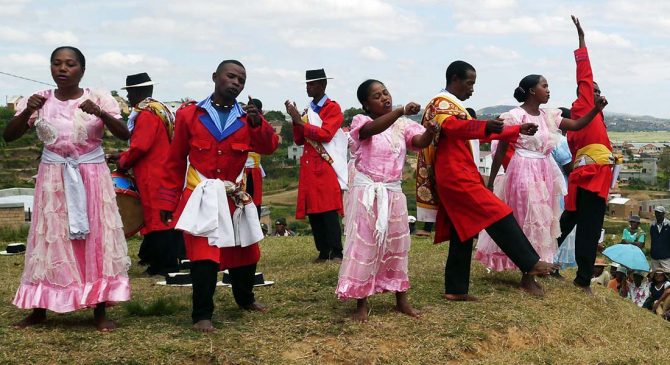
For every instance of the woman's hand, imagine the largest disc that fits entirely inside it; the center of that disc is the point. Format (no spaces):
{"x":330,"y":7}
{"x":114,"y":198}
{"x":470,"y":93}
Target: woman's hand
{"x":35,"y":102}
{"x":601,"y":103}
{"x":90,"y":107}
{"x":528,"y":129}
{"x":411,"y":108}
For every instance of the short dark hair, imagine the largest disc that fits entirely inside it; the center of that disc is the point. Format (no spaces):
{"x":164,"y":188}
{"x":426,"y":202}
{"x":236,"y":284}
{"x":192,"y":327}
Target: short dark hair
{"x":459,"y":69}
{"x":77,"y":53}
{"x":528,"y":82}
{"x":236,"y":62}
{"x":364,"y":89}
{"x":257,"y":103}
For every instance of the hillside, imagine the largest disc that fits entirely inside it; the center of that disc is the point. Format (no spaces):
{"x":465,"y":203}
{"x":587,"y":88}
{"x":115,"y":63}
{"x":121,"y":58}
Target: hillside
{"x":307,"y":325}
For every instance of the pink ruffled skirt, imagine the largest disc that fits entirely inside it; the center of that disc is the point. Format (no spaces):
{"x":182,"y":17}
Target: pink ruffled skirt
{"x":64,"y":275}
{"x":533,"y":188}
{"x":369,"y":268}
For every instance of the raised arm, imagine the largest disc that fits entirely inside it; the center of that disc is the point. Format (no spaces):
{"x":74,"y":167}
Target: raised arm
{"x":580,"y":31}
{"x":382,"y":123}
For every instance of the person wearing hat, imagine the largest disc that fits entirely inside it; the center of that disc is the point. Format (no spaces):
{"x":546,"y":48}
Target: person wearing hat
{"x":638,"y":290}
{"x":151,"y":124}
{"x":619,"y":283}
{"x":659,"y":289}
{"x":281,"y":230}
{"x":202,"y":185}
{"x":600,"y":276}
{"x":659,"y":233}
{"x":323,"y":165}
{"x":633,"y":235}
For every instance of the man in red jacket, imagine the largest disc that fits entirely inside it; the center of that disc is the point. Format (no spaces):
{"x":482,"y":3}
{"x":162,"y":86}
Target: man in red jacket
{"x":464,"y":205}
{"x":591,"y":177}
{"x":322,"y":165}
{"x":216,"y":135}
{"x":151,"y":125}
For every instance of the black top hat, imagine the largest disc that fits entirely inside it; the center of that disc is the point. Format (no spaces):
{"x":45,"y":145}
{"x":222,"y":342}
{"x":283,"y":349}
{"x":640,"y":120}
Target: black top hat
{"x":138,"y":80}
{"x":314,"y":75}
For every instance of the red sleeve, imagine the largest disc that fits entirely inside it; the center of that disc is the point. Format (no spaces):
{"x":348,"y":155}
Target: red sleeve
{"x":264,"y":140}
{"x":332,"y":118}
{"x":510,"y":133}
{"x":174,"y":170}
{"x":464,"y":129}
{"x":147,"y":126}
{"x":298,"y":134}
{"x":585,"y":100}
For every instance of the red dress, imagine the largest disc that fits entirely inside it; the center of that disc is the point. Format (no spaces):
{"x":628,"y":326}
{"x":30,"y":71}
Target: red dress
{"x":149,"y":145}
{"x":465,"y":202}
{"x":223,"y":159}
{"x":594,"y":177}
{"x":318,"y":188}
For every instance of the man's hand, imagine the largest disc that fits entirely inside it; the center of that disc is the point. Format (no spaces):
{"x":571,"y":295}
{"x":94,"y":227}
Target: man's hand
{"x":411,"y":108}
{"x":601,"y":103}
{"x":528,"y":129}
{"x":166,"y":217}
{"x":494,"y":126}
{"x":90,"y":107}
{"x":253,"y":115}
{"x":292,"y":110}
{"x":35,"y":102}
{"x":580,"y":31}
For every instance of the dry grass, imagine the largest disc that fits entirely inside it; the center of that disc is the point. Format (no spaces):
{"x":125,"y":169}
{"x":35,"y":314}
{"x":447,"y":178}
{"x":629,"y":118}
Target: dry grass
{"x":307,"y":325}
{"x":647,"y":136}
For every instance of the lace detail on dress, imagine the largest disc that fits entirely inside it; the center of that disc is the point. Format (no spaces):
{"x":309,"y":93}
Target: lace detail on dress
{"x":46,"y":132}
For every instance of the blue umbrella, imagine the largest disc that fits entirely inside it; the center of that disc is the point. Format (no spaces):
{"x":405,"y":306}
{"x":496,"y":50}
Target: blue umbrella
{"x":628,"y":255}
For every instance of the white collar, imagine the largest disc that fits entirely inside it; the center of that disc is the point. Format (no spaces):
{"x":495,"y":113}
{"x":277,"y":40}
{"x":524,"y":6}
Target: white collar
{"x":451,"y":96}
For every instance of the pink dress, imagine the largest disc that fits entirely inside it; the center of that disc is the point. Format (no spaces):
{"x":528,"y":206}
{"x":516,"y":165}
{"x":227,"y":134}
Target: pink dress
{"x":532,"y":186}
{"x":376,"y":263}
{"x":61,"y":274}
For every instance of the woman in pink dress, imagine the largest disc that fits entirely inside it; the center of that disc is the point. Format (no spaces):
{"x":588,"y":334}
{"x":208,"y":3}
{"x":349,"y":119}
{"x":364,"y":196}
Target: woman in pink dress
{"x":533,"y":183}
{"x":76,"y":256}
{"x":377,"y":237}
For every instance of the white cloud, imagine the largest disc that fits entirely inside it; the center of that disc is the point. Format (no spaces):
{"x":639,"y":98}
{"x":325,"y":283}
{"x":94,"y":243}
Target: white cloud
{"x":12,"y":8}
{"x":8,"y":34}
{"x":25,"y":60}
{"x":60,"y":38}
{"x":117,"y":59}
{"x":372,"y":53}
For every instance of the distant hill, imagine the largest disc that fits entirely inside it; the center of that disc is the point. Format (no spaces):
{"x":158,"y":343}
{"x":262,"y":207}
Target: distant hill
{"x":616,"y":122}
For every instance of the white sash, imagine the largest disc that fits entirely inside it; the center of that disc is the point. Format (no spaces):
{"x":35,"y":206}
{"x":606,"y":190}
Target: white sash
{"x":336,"y":148}
{"x":377,"y":191}
{"x":73,"y":187}
{"x":529,"y":154}
{"x":207,"y":214}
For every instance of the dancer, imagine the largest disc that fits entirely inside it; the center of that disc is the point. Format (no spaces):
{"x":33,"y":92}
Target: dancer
{"x":590,"y":180}
{"x":215,"y":135}
{"x":378,"y":237}
{"x":76,"y":255}
{"x":464,"y":205}
{"x":151,"y":125}
{"x":323,"y":165}
{"x":533,"y":184}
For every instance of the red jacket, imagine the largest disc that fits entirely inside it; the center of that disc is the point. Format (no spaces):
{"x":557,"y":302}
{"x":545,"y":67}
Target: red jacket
{"x":222,"y":159}
{"x":318,"y":188}
{"x":149,"y":145}
{"x":594,"y":177}
{"x":465,"y":202}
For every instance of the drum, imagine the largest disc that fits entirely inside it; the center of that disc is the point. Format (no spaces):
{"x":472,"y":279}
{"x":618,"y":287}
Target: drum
{"x":128,"y":201}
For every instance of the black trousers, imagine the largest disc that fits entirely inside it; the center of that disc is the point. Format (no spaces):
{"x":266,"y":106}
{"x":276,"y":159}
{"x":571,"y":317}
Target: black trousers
{"x":327,"y":234}
{"x":250,"y":191}
{"x":507,"y":235}
{"x":162,"y":250}
{"x":204,"y":276}
{"x":589,"y":220}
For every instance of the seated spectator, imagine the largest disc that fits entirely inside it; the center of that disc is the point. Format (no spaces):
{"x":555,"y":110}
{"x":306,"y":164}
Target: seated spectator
{"x":659,"y":289}
{"x":281,"y":230}
{"x":412,"y":224}
{"x":619,"y":283}
{"x":638,"y":290}
{"x":633,"y":235}
{"x":600,"y":276}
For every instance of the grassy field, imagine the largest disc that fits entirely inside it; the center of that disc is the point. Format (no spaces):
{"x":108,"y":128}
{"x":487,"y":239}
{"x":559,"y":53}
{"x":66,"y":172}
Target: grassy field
{"x":307,"y":325}
{"x":654,"y":136}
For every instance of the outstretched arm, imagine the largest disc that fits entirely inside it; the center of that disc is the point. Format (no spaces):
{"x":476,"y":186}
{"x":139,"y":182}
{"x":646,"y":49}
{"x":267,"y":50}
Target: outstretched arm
{"x":574,"y":125}
{"x":580,"y":31}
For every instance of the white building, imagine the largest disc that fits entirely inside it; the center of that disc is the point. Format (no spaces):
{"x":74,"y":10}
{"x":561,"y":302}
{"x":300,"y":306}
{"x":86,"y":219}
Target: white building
{"x":294,"y":152}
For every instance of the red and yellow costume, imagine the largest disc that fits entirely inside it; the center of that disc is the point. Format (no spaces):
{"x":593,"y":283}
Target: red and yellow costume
{"x":216,"y":157}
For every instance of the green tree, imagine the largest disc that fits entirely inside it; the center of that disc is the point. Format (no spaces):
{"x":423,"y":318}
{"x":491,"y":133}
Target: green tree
{"x":286,"y":134}
{"x":349,"y":114}
{"x":274,"y":115}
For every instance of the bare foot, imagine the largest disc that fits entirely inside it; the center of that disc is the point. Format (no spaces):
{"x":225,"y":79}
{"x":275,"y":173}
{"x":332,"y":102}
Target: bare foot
{"x":542,"y":267}
{"x":37,"y":316}
{"x":422,"y":233}
{"x":586,"y":289}
{"x":204,"y":326}
{"x":460,"y":297}
{"x":530,"y":286}
{"x":361,"y":312}
{"x":403,"y":306}
{"x":105,"y":324}
{"x":255,"y":306}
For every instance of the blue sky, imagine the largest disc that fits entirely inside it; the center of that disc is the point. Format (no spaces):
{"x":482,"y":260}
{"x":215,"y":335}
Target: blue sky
{"x":407,"y":44}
